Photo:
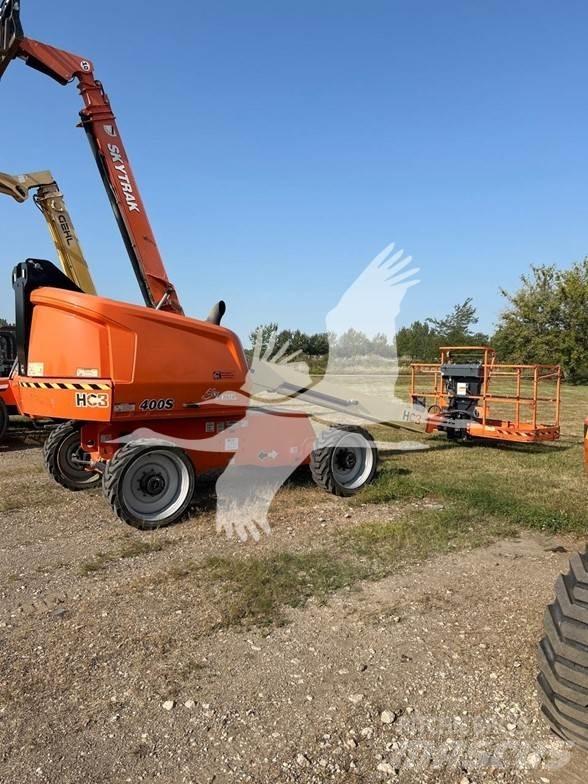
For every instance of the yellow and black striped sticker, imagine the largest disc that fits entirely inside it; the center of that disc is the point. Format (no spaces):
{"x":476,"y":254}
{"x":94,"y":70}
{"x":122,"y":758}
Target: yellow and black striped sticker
{"x":63,"y":385}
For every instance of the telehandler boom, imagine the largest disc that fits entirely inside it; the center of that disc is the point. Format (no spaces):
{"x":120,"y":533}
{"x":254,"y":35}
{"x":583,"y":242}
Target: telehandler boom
{"x":50,"y":201}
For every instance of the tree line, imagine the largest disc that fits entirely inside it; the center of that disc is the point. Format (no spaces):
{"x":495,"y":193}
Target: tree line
{"x":544,"y":321}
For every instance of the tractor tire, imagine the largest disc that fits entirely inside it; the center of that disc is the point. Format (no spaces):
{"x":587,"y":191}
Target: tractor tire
{"x":149,"y":484}
{"x":3,"y":420}
{"x":64,"y":459}
{"x":344,"y":460}
{"x":563,"y":656}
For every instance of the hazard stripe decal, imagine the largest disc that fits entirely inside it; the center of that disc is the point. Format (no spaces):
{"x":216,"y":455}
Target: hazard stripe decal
{"x":63,"y":385}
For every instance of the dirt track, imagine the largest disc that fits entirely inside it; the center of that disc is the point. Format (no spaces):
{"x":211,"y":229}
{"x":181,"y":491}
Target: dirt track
{"x":436,"y":661}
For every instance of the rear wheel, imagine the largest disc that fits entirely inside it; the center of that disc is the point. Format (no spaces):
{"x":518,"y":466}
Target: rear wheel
{"x":563,"y":656}
{"x":3,"y":419}
{"x":344,"y":460}
{"x":149,"y":484}
{"x":66,"y":461}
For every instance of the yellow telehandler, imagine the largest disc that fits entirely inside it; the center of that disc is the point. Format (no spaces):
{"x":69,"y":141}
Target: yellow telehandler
{"x":69,"y":458}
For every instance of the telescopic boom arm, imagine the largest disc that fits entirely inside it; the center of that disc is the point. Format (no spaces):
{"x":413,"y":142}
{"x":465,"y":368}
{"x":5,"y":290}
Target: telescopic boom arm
{"x":99,"y":122}
{"x":49,"y":199}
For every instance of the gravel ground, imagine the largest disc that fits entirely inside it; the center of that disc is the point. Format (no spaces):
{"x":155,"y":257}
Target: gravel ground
{"x":117,"y":669}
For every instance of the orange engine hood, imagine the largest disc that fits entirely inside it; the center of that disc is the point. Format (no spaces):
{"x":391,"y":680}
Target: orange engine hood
{"x":144,"y":353}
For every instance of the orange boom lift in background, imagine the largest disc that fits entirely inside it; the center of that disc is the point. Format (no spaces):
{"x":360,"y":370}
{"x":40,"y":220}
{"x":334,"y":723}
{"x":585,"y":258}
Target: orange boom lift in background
{"x":469,"y":395}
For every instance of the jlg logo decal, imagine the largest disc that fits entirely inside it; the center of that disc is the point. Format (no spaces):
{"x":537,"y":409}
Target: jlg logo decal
{"x":123,"y":176}
{"x":92,"y":400}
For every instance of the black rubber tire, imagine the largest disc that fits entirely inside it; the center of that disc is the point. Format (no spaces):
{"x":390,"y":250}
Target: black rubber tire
{"x":3,"y":419}
{"x":114,"y":473}
{"x":563,"y":656}
{"x":321,"y":460}
{"x":56,"y":454}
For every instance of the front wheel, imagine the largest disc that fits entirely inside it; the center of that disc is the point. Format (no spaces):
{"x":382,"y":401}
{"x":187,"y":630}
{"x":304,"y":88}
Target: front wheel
{"x":344,"y":460}
{"x":66,"y":461}
{"x":149,"y":484}
{"x":563,"y":656}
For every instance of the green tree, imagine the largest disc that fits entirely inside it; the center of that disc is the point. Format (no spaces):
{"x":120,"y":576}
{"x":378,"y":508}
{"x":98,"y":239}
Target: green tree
{"x":263,"y":332}
{"x":351,"y":343}
{"x":456,"y":328}
{"x":318,"y":345}
{"x":418,"y":342}
{"x":422,"y":340}
{"x":546,"y":320}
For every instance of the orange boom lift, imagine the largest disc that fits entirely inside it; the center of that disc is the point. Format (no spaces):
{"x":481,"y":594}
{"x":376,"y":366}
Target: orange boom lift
{"x":469,"y":395}
{"x":132,"y":367}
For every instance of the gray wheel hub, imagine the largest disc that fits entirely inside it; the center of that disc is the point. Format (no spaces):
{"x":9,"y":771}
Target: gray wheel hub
{"x":155,"y":485}
{"x":352,"y":460}
{"x":72,"y":459}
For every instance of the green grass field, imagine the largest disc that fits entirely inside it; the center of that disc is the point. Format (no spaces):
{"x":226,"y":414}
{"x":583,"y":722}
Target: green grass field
{"x":445,"y":498}
{"x":539,"y":486}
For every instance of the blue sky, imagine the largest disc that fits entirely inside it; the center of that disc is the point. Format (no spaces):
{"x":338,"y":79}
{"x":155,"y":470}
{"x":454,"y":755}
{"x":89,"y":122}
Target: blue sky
{"x":280,"y":145}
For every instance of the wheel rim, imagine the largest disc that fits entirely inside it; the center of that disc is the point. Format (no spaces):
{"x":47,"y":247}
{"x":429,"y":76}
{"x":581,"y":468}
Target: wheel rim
{"x":352,"y":461}
{"x":156,"y":485}
{"x":71,"y":460}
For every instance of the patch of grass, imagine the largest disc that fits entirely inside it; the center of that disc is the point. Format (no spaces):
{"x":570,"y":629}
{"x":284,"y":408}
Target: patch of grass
{"x":538,"y":487}
{"x":526,"y":495}
{"x":25,"y":495}
{"x":131,"y":548}
{"x":419,"y":533}
{"x":256,"y":590}
{"x":134,"y":548}
{"x":97,"y":563}
{"x":486,"y":498}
